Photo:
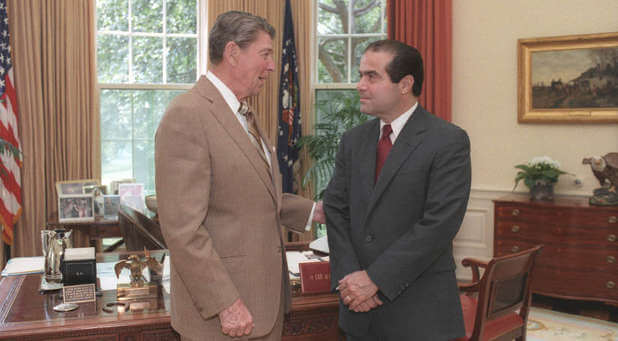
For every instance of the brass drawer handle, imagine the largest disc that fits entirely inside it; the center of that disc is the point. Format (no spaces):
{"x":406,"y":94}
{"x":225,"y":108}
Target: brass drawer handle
{"x":611,"y":238}
{"x":611,"y":259}
{"x":610,"y":285}
{"x":515,"y":228}
{"x":516,"y":212}
{"x":515,"y":248}
{"x":612,"y":219}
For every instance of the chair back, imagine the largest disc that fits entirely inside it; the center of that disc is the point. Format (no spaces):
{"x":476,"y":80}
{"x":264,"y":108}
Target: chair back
{"x":505,"y":288}
{"x":139,"y":231}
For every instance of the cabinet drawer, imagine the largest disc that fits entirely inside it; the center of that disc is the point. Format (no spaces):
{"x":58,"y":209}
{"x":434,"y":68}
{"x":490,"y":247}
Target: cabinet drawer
{"x":577,"y":236}
{"x":592,"y":285}
{"x":592,"y":217}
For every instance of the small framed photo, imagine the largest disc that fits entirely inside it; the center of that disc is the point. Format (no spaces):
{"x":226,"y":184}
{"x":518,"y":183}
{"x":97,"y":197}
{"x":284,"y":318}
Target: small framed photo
{"x":73,"y":187}
{"x":76,"y":208}
{"x":111,"y":206}
{"x":113,"y":186}
{"x":132,"y":195}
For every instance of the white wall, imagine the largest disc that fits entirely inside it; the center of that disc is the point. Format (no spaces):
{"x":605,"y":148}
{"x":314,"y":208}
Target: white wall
{"x":485,"y":34}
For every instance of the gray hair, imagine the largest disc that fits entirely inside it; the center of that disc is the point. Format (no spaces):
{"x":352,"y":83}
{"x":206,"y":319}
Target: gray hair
{"x":239,"y":27}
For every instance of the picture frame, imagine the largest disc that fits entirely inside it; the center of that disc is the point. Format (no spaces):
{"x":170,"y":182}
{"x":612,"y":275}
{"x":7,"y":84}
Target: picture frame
{"x":132,"y":195}
{"x":568,"y":79}
{"x":111,"y":206}
{"x":76,"y":208}
{"x":73,"y":187}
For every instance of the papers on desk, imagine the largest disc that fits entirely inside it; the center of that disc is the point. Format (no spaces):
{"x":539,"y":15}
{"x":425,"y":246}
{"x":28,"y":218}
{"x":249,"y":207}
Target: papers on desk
{"x":24,"y":266}
{"x":296,"y":257}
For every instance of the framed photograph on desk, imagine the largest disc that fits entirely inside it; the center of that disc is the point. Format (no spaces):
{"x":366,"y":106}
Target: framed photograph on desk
{"x":111,"y":206}
{"x":76,"y":207}
{"x":72,"y":187}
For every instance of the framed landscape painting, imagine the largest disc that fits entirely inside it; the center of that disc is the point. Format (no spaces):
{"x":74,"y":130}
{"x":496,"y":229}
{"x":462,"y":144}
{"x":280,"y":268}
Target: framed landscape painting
{"x":569,"y":79}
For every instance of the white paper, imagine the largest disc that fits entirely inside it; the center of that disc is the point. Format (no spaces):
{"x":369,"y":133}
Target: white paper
{"x":24,"y":265}
{"x":320,"y":244}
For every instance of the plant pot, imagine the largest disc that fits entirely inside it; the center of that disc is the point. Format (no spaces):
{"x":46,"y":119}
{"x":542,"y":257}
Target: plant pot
{"x":542,"y":191}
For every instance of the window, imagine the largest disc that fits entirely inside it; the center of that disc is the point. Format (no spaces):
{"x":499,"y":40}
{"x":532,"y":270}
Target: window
{"x":148,"y":51}
{"x":343,"y":29}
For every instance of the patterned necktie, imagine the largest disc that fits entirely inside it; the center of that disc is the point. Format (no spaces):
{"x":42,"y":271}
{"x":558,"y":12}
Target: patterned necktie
{"x":384,"y":147}
{"x":254,"y":135}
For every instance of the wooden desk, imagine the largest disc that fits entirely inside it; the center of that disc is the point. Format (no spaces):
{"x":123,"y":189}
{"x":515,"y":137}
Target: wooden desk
{"x":95,"y":230}
{"x":26,"y":314}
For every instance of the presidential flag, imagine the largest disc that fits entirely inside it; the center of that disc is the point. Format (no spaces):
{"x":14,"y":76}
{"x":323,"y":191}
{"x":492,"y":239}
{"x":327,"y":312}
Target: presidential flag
{"x":289,"y":105}
{"x":10,"y":147}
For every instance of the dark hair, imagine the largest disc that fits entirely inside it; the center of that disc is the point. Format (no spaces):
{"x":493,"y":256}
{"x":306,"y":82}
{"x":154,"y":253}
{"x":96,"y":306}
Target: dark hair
{"x":239,"y":27}
{"x":406,"y":61}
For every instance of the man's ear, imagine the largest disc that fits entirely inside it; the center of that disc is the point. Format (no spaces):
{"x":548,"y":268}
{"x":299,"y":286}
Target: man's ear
{"x":405,"y":84}
{"x":231,"y":52}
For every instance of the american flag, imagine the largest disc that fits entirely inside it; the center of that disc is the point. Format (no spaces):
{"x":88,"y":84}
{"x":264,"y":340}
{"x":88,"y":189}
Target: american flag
{"x":10,"y":147}
{"x":289,"y":106}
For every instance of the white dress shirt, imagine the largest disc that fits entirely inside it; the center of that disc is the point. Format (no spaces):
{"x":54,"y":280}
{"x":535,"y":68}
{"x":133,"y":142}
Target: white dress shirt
{"x":398,"y":123}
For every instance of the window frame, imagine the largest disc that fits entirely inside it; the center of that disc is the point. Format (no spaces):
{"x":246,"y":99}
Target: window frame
{"x":201,"y":66}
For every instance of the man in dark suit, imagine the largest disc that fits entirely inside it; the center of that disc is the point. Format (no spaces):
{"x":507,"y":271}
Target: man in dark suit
{"x":394,"y":205}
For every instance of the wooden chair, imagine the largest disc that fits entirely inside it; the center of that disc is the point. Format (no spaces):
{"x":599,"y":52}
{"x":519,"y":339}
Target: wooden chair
{"x":500,"y":310}
{"x":139,"y":231}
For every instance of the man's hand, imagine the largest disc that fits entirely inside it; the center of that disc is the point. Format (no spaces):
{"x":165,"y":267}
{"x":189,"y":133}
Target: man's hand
{"x":358,"y":292}
{"x":318,"y":213}
{"x":236,"y":320}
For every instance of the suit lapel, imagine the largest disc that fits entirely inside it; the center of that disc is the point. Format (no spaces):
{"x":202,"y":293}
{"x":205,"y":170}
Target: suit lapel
{"x":408,"y":140}
{"x":222,"y":113}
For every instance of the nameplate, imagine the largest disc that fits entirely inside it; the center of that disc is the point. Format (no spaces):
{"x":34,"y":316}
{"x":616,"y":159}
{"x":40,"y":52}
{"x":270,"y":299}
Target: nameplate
{"x":314,"y":277}
{"x":79,"y":293}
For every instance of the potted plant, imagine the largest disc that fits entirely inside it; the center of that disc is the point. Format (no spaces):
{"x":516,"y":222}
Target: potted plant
{"x":539,"y":175}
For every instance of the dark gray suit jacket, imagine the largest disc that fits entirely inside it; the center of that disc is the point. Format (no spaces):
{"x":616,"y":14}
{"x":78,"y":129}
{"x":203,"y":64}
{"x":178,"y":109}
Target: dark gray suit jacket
{"x":401,"y":229}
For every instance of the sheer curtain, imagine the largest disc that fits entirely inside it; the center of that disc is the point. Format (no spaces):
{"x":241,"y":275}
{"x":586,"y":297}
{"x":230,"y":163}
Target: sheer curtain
{"x":428,"y":26}
{"x":53,"y":44}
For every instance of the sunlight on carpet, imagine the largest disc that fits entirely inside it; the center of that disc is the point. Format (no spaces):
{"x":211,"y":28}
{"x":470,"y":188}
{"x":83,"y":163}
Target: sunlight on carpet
{"x":547,"y":325}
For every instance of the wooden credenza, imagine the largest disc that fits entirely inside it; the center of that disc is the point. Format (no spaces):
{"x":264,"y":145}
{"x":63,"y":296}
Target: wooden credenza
{"x":579,"y":260}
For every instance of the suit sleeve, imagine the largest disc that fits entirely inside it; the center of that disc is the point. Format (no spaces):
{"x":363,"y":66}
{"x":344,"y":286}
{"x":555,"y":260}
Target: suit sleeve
{"x":343,"y":259}
{"x":444,"y":208}
{"x":295,"y":211}
{"x":183,"y":180}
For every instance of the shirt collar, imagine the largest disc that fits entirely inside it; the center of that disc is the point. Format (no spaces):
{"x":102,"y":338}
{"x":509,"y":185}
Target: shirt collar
{"x":227,"y":94}
{"x":399,"y":122}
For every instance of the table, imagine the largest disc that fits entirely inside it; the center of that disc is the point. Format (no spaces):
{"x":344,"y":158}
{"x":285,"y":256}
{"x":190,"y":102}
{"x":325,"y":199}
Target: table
{"x":25,"y":314}
{"x":95,"y":230}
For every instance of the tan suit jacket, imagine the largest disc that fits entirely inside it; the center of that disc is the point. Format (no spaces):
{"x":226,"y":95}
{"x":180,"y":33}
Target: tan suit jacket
{"x":221,"y":215}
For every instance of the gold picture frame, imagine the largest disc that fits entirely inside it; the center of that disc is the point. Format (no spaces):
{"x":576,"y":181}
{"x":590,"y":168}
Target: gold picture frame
{"x":568,"y":79}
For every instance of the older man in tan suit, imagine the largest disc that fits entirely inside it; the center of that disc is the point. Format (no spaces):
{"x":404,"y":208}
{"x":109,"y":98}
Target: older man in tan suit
{"x":219,"y":195}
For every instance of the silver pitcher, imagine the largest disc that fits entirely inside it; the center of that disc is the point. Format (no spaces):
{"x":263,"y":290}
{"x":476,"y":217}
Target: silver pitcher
{"x":54,"y":242}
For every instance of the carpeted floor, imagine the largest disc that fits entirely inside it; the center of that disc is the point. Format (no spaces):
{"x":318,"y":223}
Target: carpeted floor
{"x":548,"y":325}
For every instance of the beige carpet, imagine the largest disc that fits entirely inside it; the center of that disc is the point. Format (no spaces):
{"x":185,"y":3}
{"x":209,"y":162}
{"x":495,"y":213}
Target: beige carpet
{"x":547,"y":325}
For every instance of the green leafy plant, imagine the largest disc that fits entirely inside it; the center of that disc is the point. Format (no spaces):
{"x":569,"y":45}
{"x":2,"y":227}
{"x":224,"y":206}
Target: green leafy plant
{"x":539,"y":170}
{"x":337,"y":111}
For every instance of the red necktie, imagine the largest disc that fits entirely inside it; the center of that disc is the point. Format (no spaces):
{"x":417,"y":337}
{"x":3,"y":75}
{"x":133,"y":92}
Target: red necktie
{"x":384,"y":147}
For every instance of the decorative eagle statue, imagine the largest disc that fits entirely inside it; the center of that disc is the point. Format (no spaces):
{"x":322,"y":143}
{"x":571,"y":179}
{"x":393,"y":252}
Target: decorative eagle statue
{"x":136,"y":265}
{"x":605,"y":169}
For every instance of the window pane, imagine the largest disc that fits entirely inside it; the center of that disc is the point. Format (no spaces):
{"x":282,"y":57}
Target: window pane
{"x":367,"y":16}
{"x":115,"y":114}
{"x":181,"y":60}
{"x":358,"y":47}
{"x":332,"y":16}
{"x":149,"y":106}
{"x":112,"y":15}
{"x":181,"y":16}
{"x":332,"y":64}
{"x":112,"y":58}
{"x":116,"y":160}
{"x":148,"y":59}
{"x":147,"y":15}
{"x":143,"y":161}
